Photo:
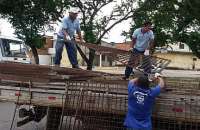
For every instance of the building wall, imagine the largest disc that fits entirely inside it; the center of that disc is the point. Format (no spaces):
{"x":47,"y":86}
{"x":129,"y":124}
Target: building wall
{"x":65,"y":60}
{"x":181,"y":60}
{"x":124,"y":46}
{"x":179,"y":47}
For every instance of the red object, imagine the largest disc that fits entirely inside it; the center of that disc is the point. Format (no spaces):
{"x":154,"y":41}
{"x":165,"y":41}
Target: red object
{"x":177,"y":110}
{"x":17,"y":93}
{"x":52,"y":98}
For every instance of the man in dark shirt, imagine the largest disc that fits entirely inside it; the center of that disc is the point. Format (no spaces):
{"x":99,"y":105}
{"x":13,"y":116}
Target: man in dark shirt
{"x":140,"y":102}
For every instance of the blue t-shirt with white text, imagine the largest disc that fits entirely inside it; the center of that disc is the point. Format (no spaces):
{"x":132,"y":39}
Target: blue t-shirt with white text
{"x":140,"y":104}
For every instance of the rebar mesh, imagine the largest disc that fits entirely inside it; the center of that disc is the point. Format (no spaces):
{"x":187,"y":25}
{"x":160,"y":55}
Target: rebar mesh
{"x":146,"y":64}
{"x":94,"y":106}
{"x":102,"y":105}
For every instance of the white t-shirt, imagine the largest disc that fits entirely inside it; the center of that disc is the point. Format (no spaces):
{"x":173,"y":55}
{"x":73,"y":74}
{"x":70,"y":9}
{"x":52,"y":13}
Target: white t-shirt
{"x":142,"y":39}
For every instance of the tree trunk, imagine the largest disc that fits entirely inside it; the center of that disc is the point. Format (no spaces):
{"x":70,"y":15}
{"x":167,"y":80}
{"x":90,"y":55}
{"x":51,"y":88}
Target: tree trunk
{"x":91,"y":59}
{"x":35,"y":54}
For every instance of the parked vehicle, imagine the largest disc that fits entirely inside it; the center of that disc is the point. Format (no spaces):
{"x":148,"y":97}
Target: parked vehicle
{"x":13,"y":50}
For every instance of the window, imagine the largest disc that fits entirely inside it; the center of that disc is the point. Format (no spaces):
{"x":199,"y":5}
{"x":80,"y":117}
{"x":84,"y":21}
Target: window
{"x":13,"y":48}
{"x":181,"y":46}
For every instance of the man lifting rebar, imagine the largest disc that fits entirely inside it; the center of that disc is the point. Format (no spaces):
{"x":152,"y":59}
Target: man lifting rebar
{"x":142,"y":39}
{"x":65,"y":36}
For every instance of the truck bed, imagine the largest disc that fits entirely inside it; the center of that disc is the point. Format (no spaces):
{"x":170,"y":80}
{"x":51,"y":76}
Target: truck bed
{"x":180,"y":102}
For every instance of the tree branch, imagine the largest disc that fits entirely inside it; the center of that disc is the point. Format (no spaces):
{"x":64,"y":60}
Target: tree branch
{"x":127,"y":16}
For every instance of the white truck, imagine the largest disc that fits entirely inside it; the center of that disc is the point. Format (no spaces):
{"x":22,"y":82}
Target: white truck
{"x":13,"y":50}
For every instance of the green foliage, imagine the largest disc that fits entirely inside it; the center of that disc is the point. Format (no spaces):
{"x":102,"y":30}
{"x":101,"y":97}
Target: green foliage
{"x":89,"y":35}
{"x":97,"y":22}
{"x":29,"y":17}
{"x":174,"y":21}
{"x":193,"y":41}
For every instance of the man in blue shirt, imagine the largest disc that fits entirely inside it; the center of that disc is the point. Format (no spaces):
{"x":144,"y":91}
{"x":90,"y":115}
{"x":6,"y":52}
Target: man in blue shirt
{"x":65,"y":36}
{"x":142,"y":40}
{"x":140,"y":102}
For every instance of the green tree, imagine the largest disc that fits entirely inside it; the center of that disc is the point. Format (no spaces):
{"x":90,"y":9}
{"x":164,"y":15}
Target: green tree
{"x":29,"y":17}
{"x":96,"y":24}
{"x":174,"y":21}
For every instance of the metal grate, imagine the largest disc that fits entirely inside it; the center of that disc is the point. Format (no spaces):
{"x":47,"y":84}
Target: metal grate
{"x":102,"y":105}
{"x":95,"y":106}
{"x":145,"y":64}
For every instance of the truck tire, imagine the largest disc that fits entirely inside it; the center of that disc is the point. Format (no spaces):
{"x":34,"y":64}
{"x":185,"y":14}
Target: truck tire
{"x":40,"y":113}
{"x":53,"y":118}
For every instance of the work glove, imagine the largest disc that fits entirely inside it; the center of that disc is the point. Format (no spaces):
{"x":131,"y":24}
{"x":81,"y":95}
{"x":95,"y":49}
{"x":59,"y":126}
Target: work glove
{"x":157,"y":75}
{"x":68,"y":38}
{"x":146,"y":53}
{"x":130,"y":50}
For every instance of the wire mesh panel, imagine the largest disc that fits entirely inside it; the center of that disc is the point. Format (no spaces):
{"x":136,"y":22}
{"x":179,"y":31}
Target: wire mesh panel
{"x":145,"y":64}
{"x":102,"y":105}
{"x":133,"y":59}
{"x":95,"y":106}
{"x":179,"y":107}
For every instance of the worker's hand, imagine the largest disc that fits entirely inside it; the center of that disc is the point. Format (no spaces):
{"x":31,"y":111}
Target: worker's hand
{"x":130,"y":50}
{"x":154,"y":77}
{"x":80,"y":40}
{"x":146,"y":53}
{"x":157,"y":75}
{"x":68,"y":38}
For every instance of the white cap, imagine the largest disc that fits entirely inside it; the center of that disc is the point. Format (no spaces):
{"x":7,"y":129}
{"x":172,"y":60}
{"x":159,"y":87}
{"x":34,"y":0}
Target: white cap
{"x":74,"y":10}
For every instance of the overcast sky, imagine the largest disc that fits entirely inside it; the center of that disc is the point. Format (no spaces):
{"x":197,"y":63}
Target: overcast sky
{"x":6,"y":28}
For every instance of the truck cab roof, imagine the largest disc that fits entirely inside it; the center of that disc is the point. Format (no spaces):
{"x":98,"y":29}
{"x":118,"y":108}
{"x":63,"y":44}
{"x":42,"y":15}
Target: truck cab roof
{"x":10,"y":38}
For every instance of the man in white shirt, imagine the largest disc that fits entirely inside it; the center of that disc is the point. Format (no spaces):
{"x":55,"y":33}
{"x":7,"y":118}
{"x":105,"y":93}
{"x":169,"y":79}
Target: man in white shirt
{"x":69,"y":26}
{"x":142,"y":39}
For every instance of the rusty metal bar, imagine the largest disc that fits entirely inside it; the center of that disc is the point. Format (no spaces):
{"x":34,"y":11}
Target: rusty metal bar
{"x":40,"y":73}
{"x":130,"y":59}
{"x":104,"y":106}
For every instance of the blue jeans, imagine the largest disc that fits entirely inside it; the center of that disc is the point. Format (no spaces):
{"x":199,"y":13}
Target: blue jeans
{"x":71,"y":51}
{"x":129,"y":69}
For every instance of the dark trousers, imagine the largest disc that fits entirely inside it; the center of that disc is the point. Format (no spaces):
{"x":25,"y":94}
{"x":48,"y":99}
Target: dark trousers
{"x":136,"y":54}
{"x":71,"y":51}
